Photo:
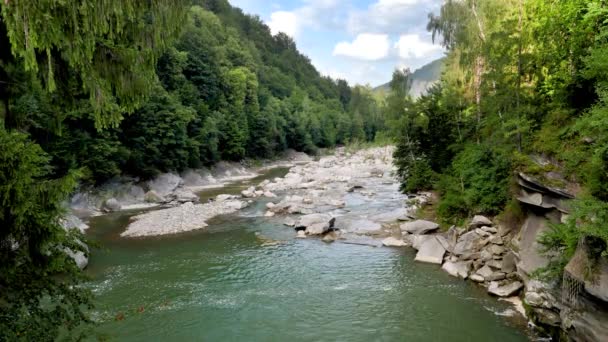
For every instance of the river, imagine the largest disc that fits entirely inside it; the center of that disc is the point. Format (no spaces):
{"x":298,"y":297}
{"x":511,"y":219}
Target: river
{"x":246,"y":278}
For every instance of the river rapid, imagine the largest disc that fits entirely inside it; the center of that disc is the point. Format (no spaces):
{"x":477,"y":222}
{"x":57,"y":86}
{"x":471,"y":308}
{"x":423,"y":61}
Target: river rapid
{"x":246,"y":277}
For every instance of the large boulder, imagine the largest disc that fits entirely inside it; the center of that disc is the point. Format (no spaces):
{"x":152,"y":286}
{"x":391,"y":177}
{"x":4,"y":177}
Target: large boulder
{"x":152,"y":197}
{"x":319,"y":228}
{"x":164,"y":184}
{"x":431,"y":251}
{"x":530,"y":254}
{"x":112,"y":204}
{"x":183,"y":196}
{"x":419,"y":227}
{"x":457,"y":269}
{"x":506,"y":290}
{"x":480,"y":221}
{"x":467,"y":243}
{"x":308,"y":220}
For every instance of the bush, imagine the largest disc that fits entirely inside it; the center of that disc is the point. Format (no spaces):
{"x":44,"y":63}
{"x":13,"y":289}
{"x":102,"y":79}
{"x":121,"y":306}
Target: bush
{"x":588,"y":220}
{"x":477,"y":182}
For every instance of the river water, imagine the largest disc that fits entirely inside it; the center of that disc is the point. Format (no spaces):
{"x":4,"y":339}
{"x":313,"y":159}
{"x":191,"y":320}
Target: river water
{"x":246,"y":278}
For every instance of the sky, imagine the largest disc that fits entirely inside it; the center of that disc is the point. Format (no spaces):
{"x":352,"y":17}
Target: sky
{"x":361,"y":41}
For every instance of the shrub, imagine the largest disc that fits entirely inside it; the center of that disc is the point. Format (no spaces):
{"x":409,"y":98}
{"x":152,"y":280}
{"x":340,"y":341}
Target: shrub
{"x":477,"y":182}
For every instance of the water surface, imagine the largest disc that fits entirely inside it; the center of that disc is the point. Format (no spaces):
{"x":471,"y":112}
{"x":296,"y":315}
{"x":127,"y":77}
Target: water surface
{"x":246,"y":278}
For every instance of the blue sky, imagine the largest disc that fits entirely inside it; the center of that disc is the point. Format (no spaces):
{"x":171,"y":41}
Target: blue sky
{"x":361,"y":41}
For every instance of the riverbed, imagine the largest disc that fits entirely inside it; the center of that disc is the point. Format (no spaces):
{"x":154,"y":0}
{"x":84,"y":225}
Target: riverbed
{"x":246,"y":277}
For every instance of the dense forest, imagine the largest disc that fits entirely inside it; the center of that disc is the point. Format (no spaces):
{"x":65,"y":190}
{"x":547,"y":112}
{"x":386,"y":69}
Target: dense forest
{"x":524,"y":89}
{"x":95,"y":90}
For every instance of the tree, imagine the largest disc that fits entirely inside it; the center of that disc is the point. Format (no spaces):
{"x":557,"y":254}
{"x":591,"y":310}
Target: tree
{"x":39,"y":295}
{"x":110,"y":48}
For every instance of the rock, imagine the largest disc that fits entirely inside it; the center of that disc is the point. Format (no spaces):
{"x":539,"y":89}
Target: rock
{"x":269,"y":214}
{"x":497,"y":240}
{"x":444,"y":242}
{"x":431,"y":251}
{"x":485,"y":271}
{"x":309,"y":220}
{"x":357,"y":225}
{"x":495,"y":264}
{"x":111,"y":205}
{"x":289,"y":222}
{"x":418,"y":240}
{"x":509,"y":262}
{"x":496,"y":249}
{"x":481,"y":232}
{"x":69,"y":222}
{"x":331,"y":236}
{"x":79,"y":258}
{"x":317,"y":228}
{"x":224,"y":197}
{"x":490,"y":230}
{"x":479,"y":221}
{"x":419,"y":227}
{"x":467,"y":243}
{"x":183,"y":196}
{"x":401,"y":214}
{"x":269,"y":194}
{"x":496,"y":276}
{"x":248,"y":193}
{"x":270,"y":205}
{"x":530,"y":254}
{"x":457,"y":269}
{"x":152,"y":197}
{"x":477,"y":278}
{"x":165,"y":184}
{"x":393,"y":242}
{"x":506,"y":290}
{"x":301,"y":234}
{"x":486,"y":255}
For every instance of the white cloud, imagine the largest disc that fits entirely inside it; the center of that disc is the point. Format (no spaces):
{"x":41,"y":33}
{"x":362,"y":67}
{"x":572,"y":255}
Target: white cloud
{"x":392,"y":16}
{"x":411,"y":46}
{"x":283,"y":21}
{"x":367,"y":46}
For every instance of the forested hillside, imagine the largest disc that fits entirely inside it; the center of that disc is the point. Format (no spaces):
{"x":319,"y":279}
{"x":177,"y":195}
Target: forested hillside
{"x":523,"y":90}
{"x":95,"y":90}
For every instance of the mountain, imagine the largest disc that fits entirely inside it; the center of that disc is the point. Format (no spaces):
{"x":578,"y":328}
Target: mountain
{"x":421,"y":79}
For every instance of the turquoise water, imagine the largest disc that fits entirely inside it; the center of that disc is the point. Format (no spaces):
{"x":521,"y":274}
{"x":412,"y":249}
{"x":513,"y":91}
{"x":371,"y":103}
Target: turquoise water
{"x":247,"y":279}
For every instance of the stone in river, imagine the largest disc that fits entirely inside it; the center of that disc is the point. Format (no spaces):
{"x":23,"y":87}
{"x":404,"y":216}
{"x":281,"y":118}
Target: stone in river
{"x":431,"y":251}
{"x":393,"y":242}
{"x":457,"y":269}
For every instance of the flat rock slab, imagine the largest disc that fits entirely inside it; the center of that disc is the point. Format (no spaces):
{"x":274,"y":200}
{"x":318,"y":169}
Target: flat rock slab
{"x":309,"y":220}
{"x":431,"y":251}
{"x":506,"y":290}
{"x":467,"y":243}
{"x":393,"y":242}
{"x":419,"y":227}
{"x":479,"y":221}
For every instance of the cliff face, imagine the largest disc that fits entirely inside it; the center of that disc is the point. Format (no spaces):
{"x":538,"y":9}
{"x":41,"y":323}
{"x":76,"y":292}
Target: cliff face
{"x":576,"y":307}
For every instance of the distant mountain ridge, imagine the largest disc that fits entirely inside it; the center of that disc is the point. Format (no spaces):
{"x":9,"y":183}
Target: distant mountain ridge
{"x":421,"y":79}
